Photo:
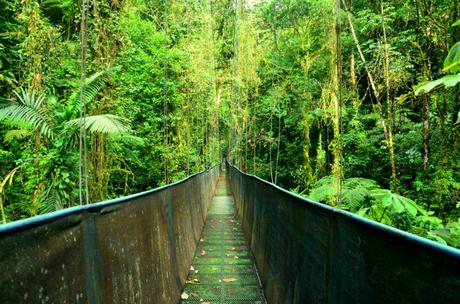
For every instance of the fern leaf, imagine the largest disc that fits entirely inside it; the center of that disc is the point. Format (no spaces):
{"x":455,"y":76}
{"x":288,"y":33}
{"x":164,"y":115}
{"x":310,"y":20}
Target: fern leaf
{"x":323,"y":193}
{"x":354,"y":198}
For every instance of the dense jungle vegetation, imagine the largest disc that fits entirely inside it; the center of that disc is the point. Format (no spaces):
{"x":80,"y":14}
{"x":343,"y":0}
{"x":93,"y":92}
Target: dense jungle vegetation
{"x":356,"y":107}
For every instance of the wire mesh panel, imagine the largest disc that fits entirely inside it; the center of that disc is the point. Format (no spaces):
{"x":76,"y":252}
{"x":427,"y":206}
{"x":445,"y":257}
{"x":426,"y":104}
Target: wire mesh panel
{"x":311,"y":253}
{"x":136,"y":249}
{"x":223,"y":269}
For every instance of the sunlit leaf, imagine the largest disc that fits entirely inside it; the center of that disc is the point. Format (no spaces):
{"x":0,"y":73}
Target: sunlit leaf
{"x":27,"y":111}
{"x":446,"y":81}
{"x":106,"y":123}
{"x":451,"y":63}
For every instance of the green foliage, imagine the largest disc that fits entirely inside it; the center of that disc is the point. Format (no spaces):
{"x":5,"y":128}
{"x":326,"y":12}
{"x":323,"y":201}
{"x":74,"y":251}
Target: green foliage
{"x":395,"y":202}
{"x":356,"y":192}
{"x":172,"y":89}
{"x":94,"y":84}
{"x":367,"y":199}
{"x":452,"y":61}
{"x":105,"y":124}
{"x":28,"y":110}
{"x":447,"y":81}
{"x":451,"y":66}
{"x":57,"y":162}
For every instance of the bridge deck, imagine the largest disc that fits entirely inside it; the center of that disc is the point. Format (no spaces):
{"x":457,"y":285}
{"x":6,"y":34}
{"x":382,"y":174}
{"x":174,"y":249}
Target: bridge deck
{"x":223,"y":270}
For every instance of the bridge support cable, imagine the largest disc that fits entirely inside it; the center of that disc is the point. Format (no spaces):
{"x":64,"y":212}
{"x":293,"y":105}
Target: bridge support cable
{"x":338,"y":31}
{"x":83,"y":149}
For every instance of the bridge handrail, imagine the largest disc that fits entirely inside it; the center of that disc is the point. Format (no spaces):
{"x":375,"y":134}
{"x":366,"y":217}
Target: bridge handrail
{"x":455,"y":252}
{"x":135,"y":249}
{"x":308,"y":252}
{"x":93,"y":207}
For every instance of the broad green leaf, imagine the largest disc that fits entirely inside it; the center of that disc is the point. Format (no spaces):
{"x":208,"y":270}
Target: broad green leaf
{"x":451,"y":62}
{"x":409,"y":205}
{"x":447,"y":81}
{"x":432,"y":235}
{"x":411,"y":209}
{"x":395,"y":201}
{"x":397,"y":206}
{"x":427,"y":87}
{"x":451,"y":80}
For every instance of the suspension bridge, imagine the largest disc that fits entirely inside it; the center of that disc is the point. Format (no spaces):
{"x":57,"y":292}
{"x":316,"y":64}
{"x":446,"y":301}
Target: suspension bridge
{"x":219,"y":236}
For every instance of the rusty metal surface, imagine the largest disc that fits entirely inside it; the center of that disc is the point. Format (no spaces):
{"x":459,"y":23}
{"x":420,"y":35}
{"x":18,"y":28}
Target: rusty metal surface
{"x":136,"y":249}
{"x":311,"y":253}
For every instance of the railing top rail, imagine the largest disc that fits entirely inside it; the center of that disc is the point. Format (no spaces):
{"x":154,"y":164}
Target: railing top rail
{"x":94,"y":207}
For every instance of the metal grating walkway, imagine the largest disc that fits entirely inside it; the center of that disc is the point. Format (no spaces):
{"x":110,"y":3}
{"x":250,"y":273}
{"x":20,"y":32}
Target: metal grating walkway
{"x":223,"y":270}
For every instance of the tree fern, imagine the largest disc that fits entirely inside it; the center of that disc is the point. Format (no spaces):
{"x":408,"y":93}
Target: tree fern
{"x":354,"y":198}
{"x":361,"y":182}
{"x":323,"y":194}
{"x":355,"y":191}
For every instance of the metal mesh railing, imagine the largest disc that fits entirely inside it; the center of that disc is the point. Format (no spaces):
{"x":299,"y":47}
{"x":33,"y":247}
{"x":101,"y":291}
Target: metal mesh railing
{"x":311,"y":253}
{"x":136,"y":249}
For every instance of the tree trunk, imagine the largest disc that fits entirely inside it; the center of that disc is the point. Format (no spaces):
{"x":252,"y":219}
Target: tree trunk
{"x":426,"y":133}
{"x":270,"y":152}
{"x":278,"y":149}
{"x":387,"y":133}
{"x":254,"y":123}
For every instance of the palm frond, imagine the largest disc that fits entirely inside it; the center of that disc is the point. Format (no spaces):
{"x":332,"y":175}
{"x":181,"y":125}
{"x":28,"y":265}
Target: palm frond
{"x":123,"y":143}
{"x":127,"y":139}
{"x":27,"y":111}
{"x":105,"y":124}
{"x":50,"y":201}
{"x":94,"y":84}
